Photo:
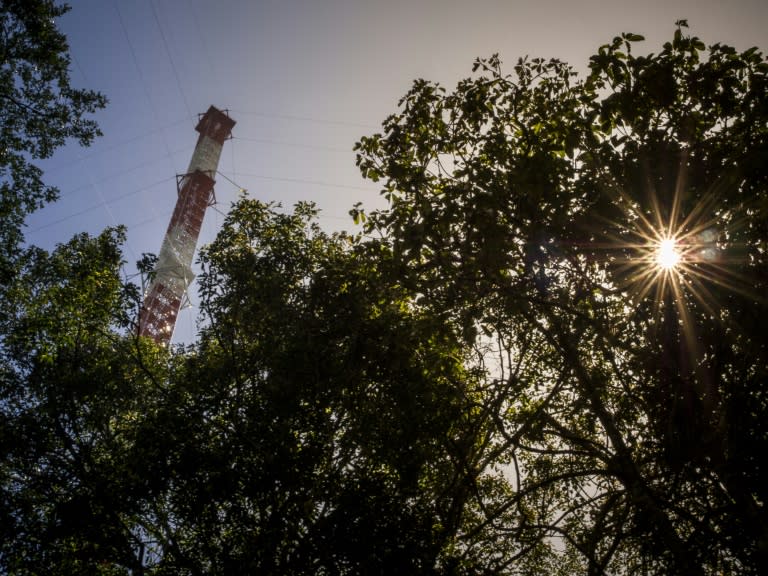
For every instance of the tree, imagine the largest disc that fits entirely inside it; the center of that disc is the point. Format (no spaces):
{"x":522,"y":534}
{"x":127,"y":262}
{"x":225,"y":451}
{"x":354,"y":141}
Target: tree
{"x":629,"y":394}
{"x":71,"y":387}
{"x":59,"y":380}
{"x":322,"y":424}
{"x":39,"y":111}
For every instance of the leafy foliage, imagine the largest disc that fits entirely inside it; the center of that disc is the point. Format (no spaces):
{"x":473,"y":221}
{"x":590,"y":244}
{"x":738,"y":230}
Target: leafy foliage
{"x":335,"y":424}
{"x":69,"y":389}
{"x":39,"y":111}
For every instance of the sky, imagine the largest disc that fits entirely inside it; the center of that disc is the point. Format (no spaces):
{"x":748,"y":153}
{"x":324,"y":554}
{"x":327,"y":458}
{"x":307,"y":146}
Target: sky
{"x":304,"y":80}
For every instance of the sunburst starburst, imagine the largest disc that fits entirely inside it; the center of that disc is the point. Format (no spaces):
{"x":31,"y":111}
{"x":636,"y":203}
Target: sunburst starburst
{"x":676,"y":250}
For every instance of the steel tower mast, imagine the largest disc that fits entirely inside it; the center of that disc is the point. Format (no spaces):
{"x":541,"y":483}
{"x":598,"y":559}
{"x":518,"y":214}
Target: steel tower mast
{"x":173,"y":273}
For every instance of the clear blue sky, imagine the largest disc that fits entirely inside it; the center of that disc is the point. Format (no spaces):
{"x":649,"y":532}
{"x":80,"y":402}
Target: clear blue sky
{"x":304,"y":79}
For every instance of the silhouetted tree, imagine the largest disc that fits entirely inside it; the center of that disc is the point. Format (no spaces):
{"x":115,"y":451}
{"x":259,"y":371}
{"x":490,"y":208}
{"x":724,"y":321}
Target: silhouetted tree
{"x":631,"y":397}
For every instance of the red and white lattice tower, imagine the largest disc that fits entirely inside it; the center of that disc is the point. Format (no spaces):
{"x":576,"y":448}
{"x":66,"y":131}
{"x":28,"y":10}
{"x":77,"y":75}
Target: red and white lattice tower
{"x":173,"y":273}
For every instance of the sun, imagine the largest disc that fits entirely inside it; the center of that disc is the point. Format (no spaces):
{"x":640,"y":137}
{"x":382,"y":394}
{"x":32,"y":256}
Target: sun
{"x":668,"y":254}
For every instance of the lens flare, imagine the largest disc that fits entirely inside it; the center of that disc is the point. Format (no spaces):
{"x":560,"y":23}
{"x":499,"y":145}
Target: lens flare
{"x":674,"y":253}
{"x":676,"y":250}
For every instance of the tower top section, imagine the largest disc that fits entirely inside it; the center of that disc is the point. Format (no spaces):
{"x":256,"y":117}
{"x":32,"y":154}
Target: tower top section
{"x":215,"y":124}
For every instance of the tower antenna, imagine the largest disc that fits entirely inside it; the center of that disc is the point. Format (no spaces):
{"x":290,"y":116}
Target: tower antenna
{"x":173,"y":272}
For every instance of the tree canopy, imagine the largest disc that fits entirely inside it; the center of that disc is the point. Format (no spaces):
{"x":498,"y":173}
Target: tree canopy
{"x":530,"y":208}
{"x":499,"y":374}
